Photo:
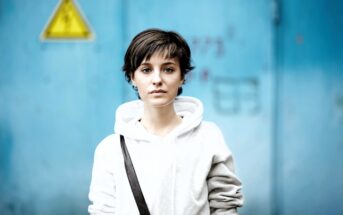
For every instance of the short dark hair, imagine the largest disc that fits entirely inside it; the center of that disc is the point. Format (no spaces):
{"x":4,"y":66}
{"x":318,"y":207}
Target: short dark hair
{"x":152,"y":41}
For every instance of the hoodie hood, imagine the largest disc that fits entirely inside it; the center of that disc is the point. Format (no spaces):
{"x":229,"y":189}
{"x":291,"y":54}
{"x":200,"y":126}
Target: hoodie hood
{"x":128,"y":114}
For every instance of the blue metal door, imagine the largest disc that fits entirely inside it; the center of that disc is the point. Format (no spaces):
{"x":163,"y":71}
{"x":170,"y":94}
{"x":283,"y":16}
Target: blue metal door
{"x":58,"y":98}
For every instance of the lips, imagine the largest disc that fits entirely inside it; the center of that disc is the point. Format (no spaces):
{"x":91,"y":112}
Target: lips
{"x":158,"y":91}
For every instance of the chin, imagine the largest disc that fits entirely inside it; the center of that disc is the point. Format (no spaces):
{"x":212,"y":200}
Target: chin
{"x":159,"y":102}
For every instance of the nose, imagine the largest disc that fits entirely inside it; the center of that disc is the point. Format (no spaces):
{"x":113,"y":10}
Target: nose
{"x":156,"y":79}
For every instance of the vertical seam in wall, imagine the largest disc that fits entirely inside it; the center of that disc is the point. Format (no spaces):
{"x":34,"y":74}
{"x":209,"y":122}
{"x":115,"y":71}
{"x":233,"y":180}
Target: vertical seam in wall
{"x":276,"y":155}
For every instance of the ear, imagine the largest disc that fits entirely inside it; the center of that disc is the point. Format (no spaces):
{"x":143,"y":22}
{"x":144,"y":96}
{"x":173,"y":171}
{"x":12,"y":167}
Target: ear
{"x":182,"y":81}
{"x":132,"y":79}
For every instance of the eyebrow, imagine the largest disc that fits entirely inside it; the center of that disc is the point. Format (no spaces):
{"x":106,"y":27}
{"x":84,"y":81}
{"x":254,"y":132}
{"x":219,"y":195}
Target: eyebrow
{"x":163,"y":64}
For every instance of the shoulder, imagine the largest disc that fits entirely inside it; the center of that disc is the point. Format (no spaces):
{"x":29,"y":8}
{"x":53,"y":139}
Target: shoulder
{"x":210,"y":132}
{"x":210,"y":128}
{"x":107,"y":145}
{"x":213,"y":137}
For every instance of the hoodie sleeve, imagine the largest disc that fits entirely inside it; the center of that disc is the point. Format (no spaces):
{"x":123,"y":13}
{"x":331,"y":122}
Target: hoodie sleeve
{"x":224,"y":186}
{"x":102,"y":188}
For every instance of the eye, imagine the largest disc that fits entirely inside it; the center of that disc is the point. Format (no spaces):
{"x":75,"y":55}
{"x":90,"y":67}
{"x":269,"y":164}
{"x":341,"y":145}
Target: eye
{"x":145,"y":70}
{"x":169,"y":70}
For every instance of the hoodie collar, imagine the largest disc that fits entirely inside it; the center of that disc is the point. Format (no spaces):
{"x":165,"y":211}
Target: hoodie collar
{"x":128,"y":114}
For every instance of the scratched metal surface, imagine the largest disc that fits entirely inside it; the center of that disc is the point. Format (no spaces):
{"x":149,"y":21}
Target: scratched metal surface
{"x":275,"y":90}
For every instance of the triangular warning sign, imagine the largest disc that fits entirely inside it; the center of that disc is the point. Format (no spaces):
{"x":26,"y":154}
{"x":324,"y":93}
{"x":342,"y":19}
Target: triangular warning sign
{"x":67,"y":22}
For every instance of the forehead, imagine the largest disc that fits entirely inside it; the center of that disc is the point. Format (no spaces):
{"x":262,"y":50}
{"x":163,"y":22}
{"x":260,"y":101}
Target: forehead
{"x":161,"y":56}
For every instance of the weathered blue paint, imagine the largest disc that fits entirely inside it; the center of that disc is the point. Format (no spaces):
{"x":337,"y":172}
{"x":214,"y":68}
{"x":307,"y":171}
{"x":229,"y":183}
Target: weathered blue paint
{"x":310,"y":126}
{"x":275,"y":90}
{"x":57,"y":101}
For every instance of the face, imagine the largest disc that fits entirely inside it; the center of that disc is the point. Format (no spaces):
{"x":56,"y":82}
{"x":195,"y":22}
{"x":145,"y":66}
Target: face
{"x":158,"y":80}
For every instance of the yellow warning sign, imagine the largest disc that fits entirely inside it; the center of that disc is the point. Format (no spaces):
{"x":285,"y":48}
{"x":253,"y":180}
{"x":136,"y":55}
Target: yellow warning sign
{"x":67,"y":22}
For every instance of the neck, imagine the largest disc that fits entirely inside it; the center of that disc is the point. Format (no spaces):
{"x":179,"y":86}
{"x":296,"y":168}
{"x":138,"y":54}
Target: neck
{"x":160,"y":120}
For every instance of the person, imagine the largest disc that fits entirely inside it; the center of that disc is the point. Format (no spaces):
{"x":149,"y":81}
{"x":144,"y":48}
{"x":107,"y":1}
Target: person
{"x":183,"y":164}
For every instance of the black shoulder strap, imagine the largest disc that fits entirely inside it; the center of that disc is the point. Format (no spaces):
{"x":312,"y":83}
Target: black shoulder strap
{"x":131,"y":174}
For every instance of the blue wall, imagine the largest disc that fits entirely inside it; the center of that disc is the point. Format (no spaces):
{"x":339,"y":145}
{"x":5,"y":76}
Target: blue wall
{"x":309,"y":132}
{"x":269,"y":73}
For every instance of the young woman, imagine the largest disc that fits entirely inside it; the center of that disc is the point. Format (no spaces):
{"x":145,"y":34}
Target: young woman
{"x":182,"y":163}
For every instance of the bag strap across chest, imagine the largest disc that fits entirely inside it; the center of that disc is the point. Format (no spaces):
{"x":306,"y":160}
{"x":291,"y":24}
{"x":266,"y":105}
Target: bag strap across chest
{"x":134,"y":183}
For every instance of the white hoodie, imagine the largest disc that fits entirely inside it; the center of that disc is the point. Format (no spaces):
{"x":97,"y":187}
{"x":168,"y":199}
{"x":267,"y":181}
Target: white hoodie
{"x":188,"y":172}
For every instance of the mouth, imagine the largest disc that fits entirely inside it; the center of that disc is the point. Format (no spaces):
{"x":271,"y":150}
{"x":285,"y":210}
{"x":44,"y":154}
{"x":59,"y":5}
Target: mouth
{"x":158,"y":91}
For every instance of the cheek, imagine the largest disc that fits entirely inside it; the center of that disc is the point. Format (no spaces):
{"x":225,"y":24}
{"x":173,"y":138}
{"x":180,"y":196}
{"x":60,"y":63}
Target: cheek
{"x":139,"y":81}
{"x":176,"y":85}
{"x":142,"y":87}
